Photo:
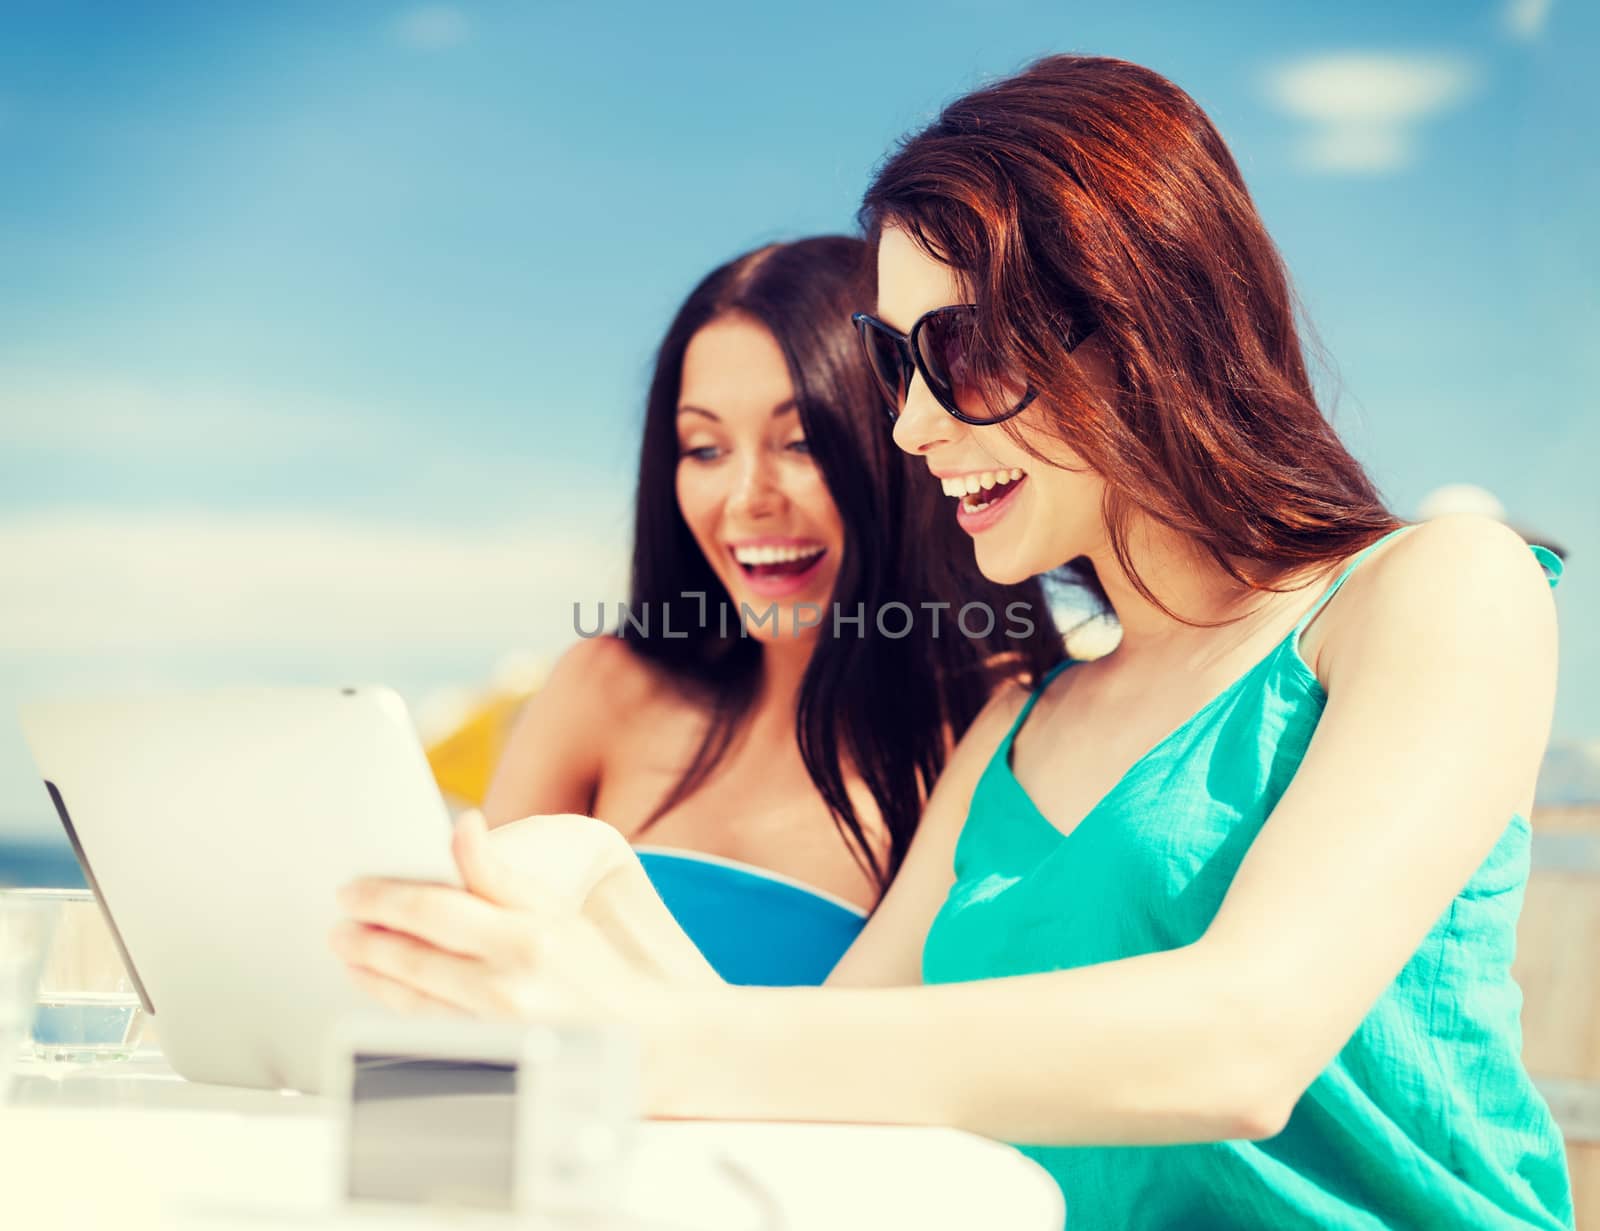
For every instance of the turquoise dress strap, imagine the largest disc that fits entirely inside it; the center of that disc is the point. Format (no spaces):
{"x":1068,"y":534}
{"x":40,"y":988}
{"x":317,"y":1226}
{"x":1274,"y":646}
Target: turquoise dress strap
{"x":1553,"y":564}
{"x":1548,"y":560}
{"x":1033,"y":697}
{"x":1343,"y":577}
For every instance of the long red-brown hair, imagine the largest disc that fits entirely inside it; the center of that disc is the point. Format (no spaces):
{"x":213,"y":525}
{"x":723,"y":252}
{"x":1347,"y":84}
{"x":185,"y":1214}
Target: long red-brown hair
{"x":1088,"y":193}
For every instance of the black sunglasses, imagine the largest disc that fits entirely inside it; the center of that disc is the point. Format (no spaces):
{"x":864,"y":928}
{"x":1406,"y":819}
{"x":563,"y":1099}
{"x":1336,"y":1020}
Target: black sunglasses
{"x":943,"y":346}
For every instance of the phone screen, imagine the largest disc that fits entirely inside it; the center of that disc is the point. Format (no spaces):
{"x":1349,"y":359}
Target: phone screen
{"x":428,"y":1130}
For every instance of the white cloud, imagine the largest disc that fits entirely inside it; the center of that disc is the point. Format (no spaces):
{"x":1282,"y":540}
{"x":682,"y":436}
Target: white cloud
{"x":1370,"y":88}
{"x":1356,"y":148}
{"x":99,"y":602}
{"x":113,"y":415}
{"x":1364,"y":108}
{"x":266,"y":437}
{"x":89,"y":582}
{"x":1525,"y":19}
{"x":432,"y":27}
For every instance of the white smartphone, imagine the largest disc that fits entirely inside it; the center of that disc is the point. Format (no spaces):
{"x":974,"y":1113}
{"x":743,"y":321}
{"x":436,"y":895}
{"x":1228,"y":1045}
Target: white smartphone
{"x":493,"y":1115}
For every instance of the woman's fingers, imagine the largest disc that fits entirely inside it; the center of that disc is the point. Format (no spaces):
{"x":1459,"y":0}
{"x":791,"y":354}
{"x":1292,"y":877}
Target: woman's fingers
{"x":400,"y":997}
{"x":480,"y":870}
{"x":626,"y":908}
{"x":551,"y":862}
{"x":518,"y":939}
{"x":463,"y":983}
{"x":577,"y":863}
{"x":445,"y":917}
{"x":412,"y":977}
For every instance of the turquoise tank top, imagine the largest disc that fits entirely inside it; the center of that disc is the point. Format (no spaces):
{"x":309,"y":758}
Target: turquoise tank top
{"x":1426,"y":1119}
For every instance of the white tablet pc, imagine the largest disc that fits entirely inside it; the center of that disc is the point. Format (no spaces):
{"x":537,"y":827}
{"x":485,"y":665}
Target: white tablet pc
{"x":215,"y":829}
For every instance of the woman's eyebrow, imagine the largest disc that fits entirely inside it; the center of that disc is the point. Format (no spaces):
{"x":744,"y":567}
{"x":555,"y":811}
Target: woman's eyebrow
{"x":786,"y":407}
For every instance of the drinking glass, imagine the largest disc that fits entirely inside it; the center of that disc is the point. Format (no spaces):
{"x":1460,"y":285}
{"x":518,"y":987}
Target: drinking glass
{"x":88,"y":1008}
{"x":26,"y":925}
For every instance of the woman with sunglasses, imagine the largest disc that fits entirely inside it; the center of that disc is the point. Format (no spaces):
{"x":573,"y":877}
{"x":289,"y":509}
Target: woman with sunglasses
{"x":1219,"y":926}
{"x":770,"y":761}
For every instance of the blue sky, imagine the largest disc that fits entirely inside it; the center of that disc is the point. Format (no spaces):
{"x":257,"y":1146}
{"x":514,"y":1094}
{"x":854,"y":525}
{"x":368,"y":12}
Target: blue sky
{"x":324,"y":328}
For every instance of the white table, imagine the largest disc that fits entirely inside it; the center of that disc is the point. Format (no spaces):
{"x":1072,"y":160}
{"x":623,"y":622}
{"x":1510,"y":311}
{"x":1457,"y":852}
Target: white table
{"x":132,"y":1145}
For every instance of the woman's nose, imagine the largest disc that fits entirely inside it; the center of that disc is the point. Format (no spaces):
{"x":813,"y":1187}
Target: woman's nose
{"x":756,"y":493}
{"x":923,"y":424}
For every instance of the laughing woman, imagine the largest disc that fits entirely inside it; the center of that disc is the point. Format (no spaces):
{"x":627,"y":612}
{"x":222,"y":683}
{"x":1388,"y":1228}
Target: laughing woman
{"x":769,"y":760}
{"x":1219,"y":925}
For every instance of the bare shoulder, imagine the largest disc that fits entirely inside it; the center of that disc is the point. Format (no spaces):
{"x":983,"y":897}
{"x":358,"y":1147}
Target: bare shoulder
{"x":601,"y":686}
{"x":1458,"y":584}
{"x":987,"y":730}
{"x":1003,"y":707}
{"x":555,"y":753}
{"x":604,"y":675}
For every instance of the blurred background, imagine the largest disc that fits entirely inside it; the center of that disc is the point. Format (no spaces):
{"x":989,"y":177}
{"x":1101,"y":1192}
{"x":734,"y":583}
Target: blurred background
{"x":324,"y":329}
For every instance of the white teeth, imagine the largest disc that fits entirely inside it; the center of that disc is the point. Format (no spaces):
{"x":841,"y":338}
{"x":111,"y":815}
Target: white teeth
{"x":986,"y":480}
{"x":774,"y":555}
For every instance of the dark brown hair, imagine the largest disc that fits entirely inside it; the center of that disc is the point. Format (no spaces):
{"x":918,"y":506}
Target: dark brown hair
{"x":1086,"y":193}
{"x":886,"y":706}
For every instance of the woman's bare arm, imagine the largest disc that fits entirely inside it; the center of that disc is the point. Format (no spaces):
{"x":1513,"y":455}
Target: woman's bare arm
{"x":888,"y":952}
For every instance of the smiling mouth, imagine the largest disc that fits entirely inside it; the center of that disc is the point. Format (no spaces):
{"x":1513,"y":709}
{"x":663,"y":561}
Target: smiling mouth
{"x":979,"y":491}
{"x":776,"y":561}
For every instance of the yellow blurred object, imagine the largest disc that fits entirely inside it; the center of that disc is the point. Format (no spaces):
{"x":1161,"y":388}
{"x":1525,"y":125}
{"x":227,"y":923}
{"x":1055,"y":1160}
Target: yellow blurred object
{"x":463,"y":760}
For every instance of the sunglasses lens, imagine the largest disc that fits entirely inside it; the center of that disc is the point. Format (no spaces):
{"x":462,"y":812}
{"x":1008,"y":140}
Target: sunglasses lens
{"x":953,"y":361}
{"x":887,"y":361}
